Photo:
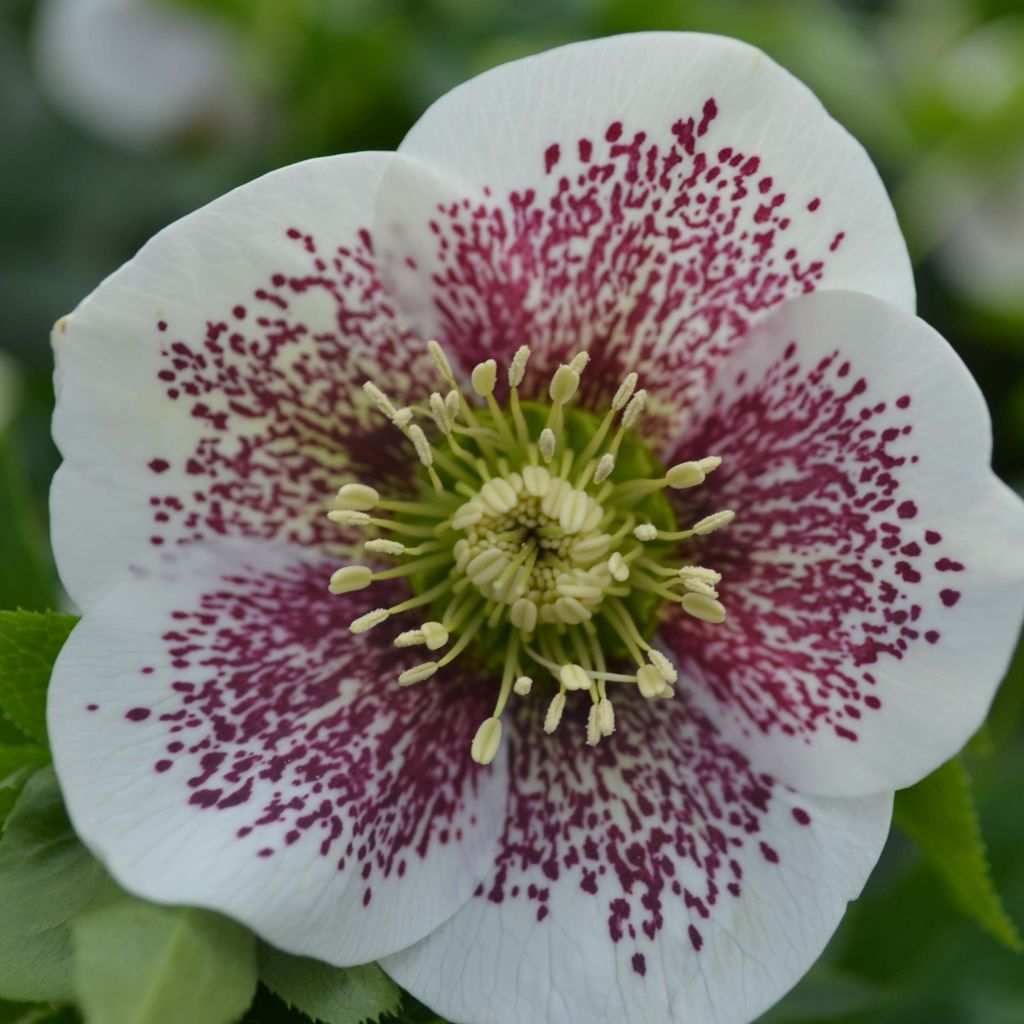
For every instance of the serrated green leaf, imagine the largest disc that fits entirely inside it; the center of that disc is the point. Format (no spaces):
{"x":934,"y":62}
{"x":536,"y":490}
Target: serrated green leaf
{"x":825,"y":994}
{"x":46,"y":878}
{"x":139,"y":963}
{"x":29,"y":645}
{"x":939,"y":815}
{"x":334,"y":995}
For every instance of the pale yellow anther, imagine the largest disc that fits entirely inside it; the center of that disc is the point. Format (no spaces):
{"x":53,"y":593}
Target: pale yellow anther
{"x":403,"y":417}
{"x":417,"y":673}
{"x":380,"y":546}
{"x":356,"y":498}
{"x":563,"y":385}
{"x":572,"y":611}
{"x":634,"y":409}
{"x":410,"y":638}
{"x":468,"y":514}
{"x":700,"y":587}
{"x":453,"y":405}
{"x":517,"y":368}
{"x":579,"y":362}
{"x":546,"y":444}
{"x":419,"y":441}
{"x":523,"y":615}
{"x":484,"y":377}
{"x":593,"y":726}
{"x":346,"y":517}
{"x":618,"y":567}
{"x":574,"y":677}
{"x":439,"y":413}
{"x":650,"y":681}
{"x":713,"y":522}
{"x":573,"y":511}
{"x":440,"y":360}
{"x":589,"y":549}
{"x":522,"y":686}
{"x":683,"y":475}
{"x":646,"y":532}
{"x":536,"y":480}
{"x":369,"y":620}
{"x":349,"y":578}
{"x":380,"y":400}
{"x":487,"y":566}
{"x":605,"y":716}
{"x":554,"y":713}
{"x":435,"y":635}
{"x":699,"y":572}
{"x":663,"y":665}
{"x":486,"y":741}
{"x":625,"y":391}
{"x":605,"y":467}
{"x":705,"y":608}
{"x":709,"y":463}
{"x":499,"y":495}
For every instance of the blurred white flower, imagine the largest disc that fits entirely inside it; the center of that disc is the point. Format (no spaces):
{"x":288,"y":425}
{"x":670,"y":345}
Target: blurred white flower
{"x":140,"y":74}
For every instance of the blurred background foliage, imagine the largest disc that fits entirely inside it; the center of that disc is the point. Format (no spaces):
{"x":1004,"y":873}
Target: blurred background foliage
{"x":118,"y":116}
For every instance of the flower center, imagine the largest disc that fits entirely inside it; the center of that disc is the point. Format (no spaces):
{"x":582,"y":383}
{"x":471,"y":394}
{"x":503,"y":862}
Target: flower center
{"x":542,"y":542}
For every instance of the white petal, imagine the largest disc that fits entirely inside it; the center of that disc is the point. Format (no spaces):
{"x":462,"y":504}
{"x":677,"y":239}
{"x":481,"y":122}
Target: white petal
{"x":656,"y":878}
{"x":874,"y":574}
{"x":208,"y":387}
{"x":645,"y":197}
{"x":223,"y":741}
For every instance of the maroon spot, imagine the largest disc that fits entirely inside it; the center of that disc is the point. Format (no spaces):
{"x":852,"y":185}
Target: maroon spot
{"x":639,"y":964}
{"x":137,"y":714}
{"x":903,"y":401}
{"x":813,"y":205}
{"x":159,"y":465}
{"x":586,"y":147}
{"x":932,"y":636}
{"x":932,"y":536}
{"x":614,"y":132}
{"x":949,"y":597}
{"x":239,"y":312}
{"x":801,"y":816}
{"x":92,"y":707}
{"x":695,"y":938}
{"x":551,"y":156}
{"x":161,"y":325}
{"x":906,"y":510}
{"x":162,"y":766}
{"x":769,"y":853}
{"x":948,"y":565}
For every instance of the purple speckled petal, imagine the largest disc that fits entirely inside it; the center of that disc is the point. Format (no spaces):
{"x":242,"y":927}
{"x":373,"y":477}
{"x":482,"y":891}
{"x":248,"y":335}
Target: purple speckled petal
{"x":656,"y":878}
{"x":647,"y":197}
{"x":210,"y":387}
{"x":222,"y":740}
{"x":873,"y":573}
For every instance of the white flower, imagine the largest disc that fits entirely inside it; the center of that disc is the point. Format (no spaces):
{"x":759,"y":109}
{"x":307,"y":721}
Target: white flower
{"x":686,"y":214}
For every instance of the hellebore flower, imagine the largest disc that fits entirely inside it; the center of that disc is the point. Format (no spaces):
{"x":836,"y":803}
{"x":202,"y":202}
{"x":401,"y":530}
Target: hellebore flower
{"x":398,"y":497}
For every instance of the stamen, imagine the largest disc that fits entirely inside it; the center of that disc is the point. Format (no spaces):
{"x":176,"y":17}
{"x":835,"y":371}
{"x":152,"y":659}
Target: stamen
{"x":486,"y":741}
{"x":356,"y":497}
{"x":369,"y":620}
{"x":535,"y":555}
{"x":349,"y":578}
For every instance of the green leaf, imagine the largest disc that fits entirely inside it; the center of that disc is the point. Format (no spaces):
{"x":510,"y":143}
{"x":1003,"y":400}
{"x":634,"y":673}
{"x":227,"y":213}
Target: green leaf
{"x":334,"y":995}
{"x":939,"y":815}
{"x":139,"y":963}
{"x":46,"y":878}
{"x":41,"y":1013}
{"x":29,"y":645}
{"x":27,"y":577}
{"x":17,"y":764}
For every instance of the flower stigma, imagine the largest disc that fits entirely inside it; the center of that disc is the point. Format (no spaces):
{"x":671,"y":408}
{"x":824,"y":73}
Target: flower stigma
{"x":542,"y":543}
